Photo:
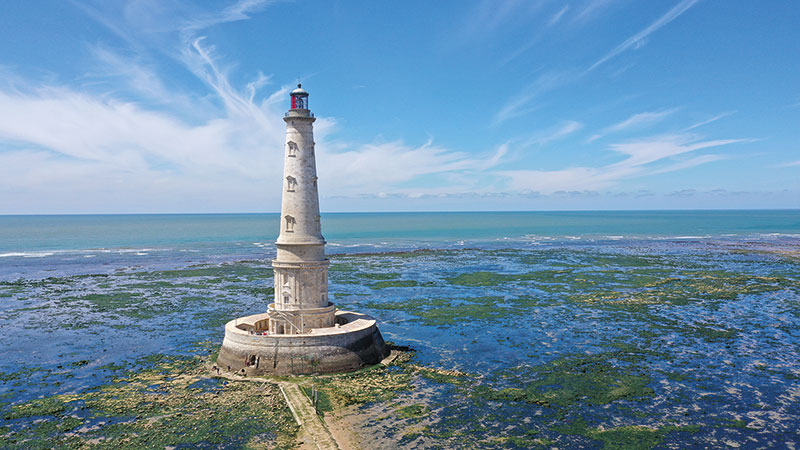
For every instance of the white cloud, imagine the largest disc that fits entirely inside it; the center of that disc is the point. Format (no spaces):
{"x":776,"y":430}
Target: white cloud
{"x":790,"y":164}
{"x":635,"y":121}
{"x":551,"y":181}
{"x":689,"y":163}
{"x":637,"y":39}
{"x":373,"y":168}
{"x":241,"y":10}
{"x":713,"y":119}
{"x":561,"y":131}
{"x":518,"y":105}
{"x":557,"y":16}
{"x":646,"y":151}
{"x":489,"y":16}
{"x":642,"y":158}
{"x":591,"y":9}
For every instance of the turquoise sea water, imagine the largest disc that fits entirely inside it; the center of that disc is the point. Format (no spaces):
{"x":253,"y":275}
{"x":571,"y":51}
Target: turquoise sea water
{"x":573,"y":329}
{"x":27,"y":234}
{"x":68,"y":242}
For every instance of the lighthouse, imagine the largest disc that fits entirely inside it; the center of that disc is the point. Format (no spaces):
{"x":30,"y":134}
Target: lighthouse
{"x":301,"y":268}
{"x":301,"y":331}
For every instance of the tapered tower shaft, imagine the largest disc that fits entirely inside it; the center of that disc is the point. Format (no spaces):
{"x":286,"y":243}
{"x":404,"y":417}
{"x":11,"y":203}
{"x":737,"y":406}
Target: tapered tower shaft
{"x":301,"y":269}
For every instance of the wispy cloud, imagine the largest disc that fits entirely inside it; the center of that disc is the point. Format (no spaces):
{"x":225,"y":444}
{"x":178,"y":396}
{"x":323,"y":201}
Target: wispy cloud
{"x":708,"y":121}
{"x":646,"y":151}
{"x":689,"y":163}
{"x":790,"y":164}
{"x":635,"y":121}
{"x":364,"y":168}
{"x":591,"y":9}
{"x":555,"y":18}
{"x":489,"y":16}
{"x":639,"y":37}
{"x":241,"y":10}
{"x":642,"y":157}
{"x":561,"y":131}
{"x":520,"y":103}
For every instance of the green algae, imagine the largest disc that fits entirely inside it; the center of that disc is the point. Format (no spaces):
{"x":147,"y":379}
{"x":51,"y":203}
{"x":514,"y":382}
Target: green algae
{"x":732,"y":423}
{"x":375,"y":384}
{"x":634,"y":437}
{"x":17,"y":375}
{"x":395,"y":283}
{"x":440,"y":311}
{"x":379,"y":383}
{"x":48,"y":406}
{"x":712,"y":333}
{"x":379,"y":276}
{"x":157,"y":407}
{"x":575,"y":380}
{"x":415,"y":411}
{"x":323,"y":400}
{"x":529,"y":439}
{"x":223,"y":271}
{"x":441,"y":376}
{"x":463,"y":313}
{"x":486,"y":279}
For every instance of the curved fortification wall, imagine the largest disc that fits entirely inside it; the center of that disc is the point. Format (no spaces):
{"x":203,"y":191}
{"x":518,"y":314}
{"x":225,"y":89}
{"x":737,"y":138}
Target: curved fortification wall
{"x":354,"y":343}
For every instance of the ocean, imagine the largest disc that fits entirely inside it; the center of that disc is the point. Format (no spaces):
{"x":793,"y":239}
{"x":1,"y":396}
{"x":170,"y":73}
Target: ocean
{"x":33,"y":246}
{"x":670,"y":329}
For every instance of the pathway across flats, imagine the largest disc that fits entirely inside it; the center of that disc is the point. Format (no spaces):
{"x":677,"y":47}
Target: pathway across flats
{"x":303,"y":411}
{"x":307,"y":417}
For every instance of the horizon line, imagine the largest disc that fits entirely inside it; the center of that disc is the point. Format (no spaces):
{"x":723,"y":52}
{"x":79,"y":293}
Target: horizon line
{"x":402,"y":212}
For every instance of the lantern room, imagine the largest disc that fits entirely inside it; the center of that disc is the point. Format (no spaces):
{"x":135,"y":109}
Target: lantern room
{"x":299,"y":98}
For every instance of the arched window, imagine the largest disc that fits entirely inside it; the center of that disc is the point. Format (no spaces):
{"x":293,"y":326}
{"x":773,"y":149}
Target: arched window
{"x":292,"y":149}
{"x":289,"y":223}
{"x":291,"y":183}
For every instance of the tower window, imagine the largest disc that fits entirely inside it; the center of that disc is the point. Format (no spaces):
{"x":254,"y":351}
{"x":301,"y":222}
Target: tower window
{"x":289,"y":223}
{"x":292,"y":149}
{"x":291,"y":183}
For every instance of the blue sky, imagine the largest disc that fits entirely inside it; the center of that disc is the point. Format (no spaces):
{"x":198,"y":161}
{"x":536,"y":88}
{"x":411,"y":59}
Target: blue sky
{"x":159,"y":106}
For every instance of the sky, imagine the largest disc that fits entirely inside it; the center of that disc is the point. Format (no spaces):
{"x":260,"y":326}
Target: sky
{"x":159,"y":106}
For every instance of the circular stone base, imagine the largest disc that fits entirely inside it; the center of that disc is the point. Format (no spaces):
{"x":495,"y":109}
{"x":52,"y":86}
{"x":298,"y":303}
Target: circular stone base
{"x":355,"y":343}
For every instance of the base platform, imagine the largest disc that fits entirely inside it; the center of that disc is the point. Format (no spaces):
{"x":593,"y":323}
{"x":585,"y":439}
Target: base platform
{"x":355,"y":343}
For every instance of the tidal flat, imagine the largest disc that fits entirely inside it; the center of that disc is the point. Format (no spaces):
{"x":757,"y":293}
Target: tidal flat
{"x":617,"y":345}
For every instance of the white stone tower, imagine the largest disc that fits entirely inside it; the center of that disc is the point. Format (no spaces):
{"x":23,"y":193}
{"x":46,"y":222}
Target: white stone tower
{"x":301,"y":332}
{"x":301,"y":269}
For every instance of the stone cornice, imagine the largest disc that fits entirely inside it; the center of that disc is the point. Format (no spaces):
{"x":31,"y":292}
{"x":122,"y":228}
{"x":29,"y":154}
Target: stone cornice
{"x":300,"y":265}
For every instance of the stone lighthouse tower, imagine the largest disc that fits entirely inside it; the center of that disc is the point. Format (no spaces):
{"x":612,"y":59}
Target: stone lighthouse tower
{"x":302,"y":331}
{"x":301,"y":269}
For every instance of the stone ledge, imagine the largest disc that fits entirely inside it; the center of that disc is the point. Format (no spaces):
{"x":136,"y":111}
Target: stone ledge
{"x":357,"y":343}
